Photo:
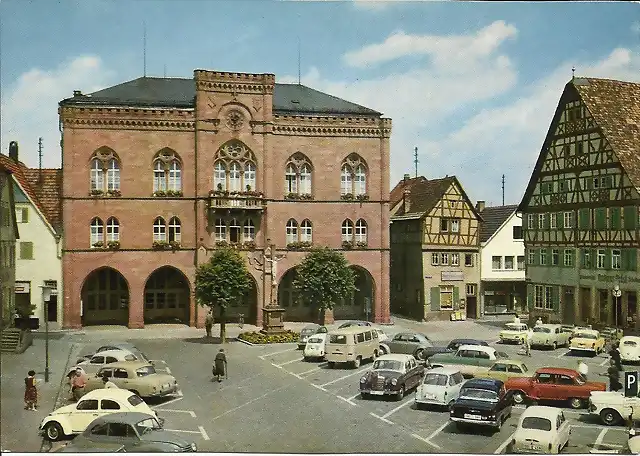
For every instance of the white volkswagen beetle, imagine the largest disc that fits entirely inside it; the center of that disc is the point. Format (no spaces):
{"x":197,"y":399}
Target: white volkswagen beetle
{"x":440,"y":387}
{"x":541,"y":430}
{"x":93,"y":364}
{"x":74,"y":418}
{"x":314,"y":348}
{"x":630,"y":349}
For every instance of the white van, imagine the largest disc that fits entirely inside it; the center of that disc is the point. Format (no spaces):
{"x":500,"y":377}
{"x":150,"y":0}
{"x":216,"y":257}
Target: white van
{"x":352,"y":345}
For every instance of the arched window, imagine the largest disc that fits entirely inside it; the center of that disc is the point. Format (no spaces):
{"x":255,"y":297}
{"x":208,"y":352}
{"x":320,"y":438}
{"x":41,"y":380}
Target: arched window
{"x":221,"y":230}
{"x":361,"y":231}
{"x":159,"y":230}
{"x":292,"y":231}
{"x":97,"y":231}
{"x":113,"y":175}
{"x":104,"y":172}
{"x":346,"y":183}
{"x":291,"y":179}
{"x":113,"y":229}
{"x":235,"y":181}
{"x":159,"y":177}
{"x":305,"y":179}
{"x":306,"y":231}
{"x":360,"y":183}
{"x":235,"y":230}
{"x":97,"y":175}
{"x":347,"y":231}
{"x":249,"y":231}
{"x":250,"y":177}
{"x":175,"y":176}
{"x":220,"y":176}
{"x":175,"y":230}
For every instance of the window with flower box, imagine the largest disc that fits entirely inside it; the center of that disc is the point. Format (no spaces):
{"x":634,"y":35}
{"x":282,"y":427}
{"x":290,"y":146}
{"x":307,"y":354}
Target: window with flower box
{"x":361,"y":231}
{"x":234,"y":169}
{"x":104,"y":172}
{"x":292,"y":231}
{"x":235,"y":231}
{"x":347,"y":231}
{"x":249,"y":231}
{"x":306,"y":231}
{"x":353,"y":176}
{"x":113,"y":230}
{"x":298,"y":176}
{"x":159,"y":230}
{"x":167,"y":172}
{"x":97,"y":232}
{"x":175,"y":230}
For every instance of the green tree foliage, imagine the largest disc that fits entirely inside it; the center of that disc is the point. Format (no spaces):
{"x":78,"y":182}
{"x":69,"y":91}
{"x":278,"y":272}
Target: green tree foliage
{"x":222,"y":281}
{"x":324,"y":279}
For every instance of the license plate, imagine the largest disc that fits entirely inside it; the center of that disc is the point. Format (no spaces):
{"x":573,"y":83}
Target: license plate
{"x":429,"y":396}
{"x":377,"y":393}
{"x":472,"y":417}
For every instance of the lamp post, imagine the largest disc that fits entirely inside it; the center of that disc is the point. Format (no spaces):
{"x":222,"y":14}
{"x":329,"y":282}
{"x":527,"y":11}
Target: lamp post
{"x":46,"y":296}
{"x":616,"y":294}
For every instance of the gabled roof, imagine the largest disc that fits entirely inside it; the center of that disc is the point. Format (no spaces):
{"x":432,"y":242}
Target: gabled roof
{"x":398,"y":191}
{"x":494,"y":217}
{"x":181,"y":93}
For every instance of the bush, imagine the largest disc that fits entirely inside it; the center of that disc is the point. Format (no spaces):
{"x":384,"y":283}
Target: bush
{"x":256,"y":337}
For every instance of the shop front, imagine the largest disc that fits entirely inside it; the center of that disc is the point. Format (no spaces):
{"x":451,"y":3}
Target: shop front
{"x":503,"y":297}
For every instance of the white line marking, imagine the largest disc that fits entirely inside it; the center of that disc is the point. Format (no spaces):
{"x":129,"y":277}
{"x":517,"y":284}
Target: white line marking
{"x":204,"y":433}
{"x":562,"y":355}
{"x":606,"y":361}
{"x":275,"y":365}
{"x":426,"y":441}
{"x":158,"y":361}
{"x":249,"y":402}
{"x":504,"y":444}
{"x":346,"y":376}
{"x":179,"y":398}
{"x":179,"y":393}
{"x":346,"y":400}
{"x":354,"y":396}
{"x":318,"y":386}
{"x":595,"y":426}
{"x":381,"y":418}
{"x":180,"y":430}
{"x":320,"y":366}
{"x":290,"y":362}
{"x":438,"y":431}
{"x":598,"y":441}
{"x":168,"y":370}
{"x":190,"y":412}
{"x":404,"y":404}
{"x":275,"y":353}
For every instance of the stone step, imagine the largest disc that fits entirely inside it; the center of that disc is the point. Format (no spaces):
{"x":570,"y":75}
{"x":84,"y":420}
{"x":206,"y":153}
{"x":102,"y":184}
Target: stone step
{"x":9,"y":340}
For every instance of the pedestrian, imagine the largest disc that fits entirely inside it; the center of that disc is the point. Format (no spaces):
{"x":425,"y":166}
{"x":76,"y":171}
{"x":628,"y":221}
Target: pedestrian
{"x":614,"y":376}
{"x":30,"y":391}
{"x":516,"y":319}
{"x":527,"y":342}
{"x":538,"y":321}
{"x":614,"y":353}
{"x":220,"y":365}
{"x":106,"y":383}
{"x":208,"y":323}
{"x":583,"y":369}
{"x":78,"y":383}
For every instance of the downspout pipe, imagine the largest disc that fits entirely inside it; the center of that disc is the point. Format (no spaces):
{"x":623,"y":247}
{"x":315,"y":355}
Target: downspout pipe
{"x":195,"y":201}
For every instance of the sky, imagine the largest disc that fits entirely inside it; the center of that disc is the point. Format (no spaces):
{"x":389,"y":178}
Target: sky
{"x":472,"y":85}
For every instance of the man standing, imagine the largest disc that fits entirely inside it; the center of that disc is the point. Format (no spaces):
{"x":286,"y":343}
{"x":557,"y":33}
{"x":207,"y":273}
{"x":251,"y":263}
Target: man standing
{"x":108,"y":383}
{"x":220,"y":365}
{"x":208,"y":323}
{"x":614,"y":377}
{"x":615,"y":355}
{"x":527,"y":342}
{"x":516,"y":319}
{"x":538,"y":321}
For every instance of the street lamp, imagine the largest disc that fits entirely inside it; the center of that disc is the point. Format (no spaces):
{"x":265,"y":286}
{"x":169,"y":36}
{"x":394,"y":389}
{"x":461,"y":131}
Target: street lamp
{"x":616,"y":294}
{"x":46,"y":296}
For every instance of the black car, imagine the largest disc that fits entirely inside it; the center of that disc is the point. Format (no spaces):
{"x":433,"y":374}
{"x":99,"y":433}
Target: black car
{"x":482,"y":402}
{"x":392,"y":375}
{"x":456,"y":343}
{"x":349,"y":323}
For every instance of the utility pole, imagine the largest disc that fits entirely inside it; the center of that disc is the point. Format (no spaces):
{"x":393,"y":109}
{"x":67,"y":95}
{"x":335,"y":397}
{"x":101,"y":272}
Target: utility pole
{"x":40,"y":160}
{"x":415,"y":160}
{"x":503,"y":189}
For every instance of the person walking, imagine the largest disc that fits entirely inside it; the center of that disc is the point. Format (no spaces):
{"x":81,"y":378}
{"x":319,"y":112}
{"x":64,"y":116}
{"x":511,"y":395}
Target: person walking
{"x":208,"y":323}
{"x":527,"y":342}
{"x":220,"y":365}
{"x":30,"y":391}
{"x":614,"y":353}
{"x":614,"y":376}
{"x":583,"y":369}
{"x":106,"y":383}
{"x":516,"y":319}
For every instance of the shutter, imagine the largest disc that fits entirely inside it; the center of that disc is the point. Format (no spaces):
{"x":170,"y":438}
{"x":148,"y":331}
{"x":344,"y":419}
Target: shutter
{"x":26,"y":250}
{"x":629,"y":218}
{"x":589,"y":181}
{"x":435,"y":298}
{"x":583,"y":259}
{"x":594,"y":258}
{"x":456,"y":298}
{"x":615,"y":218}
{"x":607,"y":259}
{"x":600,"y":218}
{"x":530,"y":296}
{"x":584,"y":219}
{"x":559,"y":220}
{"x":555,"y":298}
{"x":632,"y":255}
{"x":608,"y":181}
{"x":547,"y":220}
{"x":624,"y":259}
{"x":525,"y":216}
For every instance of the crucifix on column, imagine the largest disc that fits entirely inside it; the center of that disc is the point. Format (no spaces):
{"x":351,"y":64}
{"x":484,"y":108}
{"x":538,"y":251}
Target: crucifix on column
{"x":268,"y":265}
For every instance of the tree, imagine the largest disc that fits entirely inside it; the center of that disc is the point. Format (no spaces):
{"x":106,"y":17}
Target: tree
{"x":222,"y":281}
{"x":323,"y":279}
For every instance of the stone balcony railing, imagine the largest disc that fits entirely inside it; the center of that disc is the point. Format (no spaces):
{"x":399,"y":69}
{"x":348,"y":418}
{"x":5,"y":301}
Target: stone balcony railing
{"x":223,"y":200}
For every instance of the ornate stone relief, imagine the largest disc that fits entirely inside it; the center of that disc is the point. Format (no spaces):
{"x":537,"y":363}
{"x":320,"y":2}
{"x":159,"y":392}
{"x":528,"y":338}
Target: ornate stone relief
{"x":105,"y":155}
{"x":167,"y":156}
{"x":235,"y":151}
{"x":298,"y":159}
{"x":353,"y":160}
{"x":257,"y":104}
{"x":235,"y":119}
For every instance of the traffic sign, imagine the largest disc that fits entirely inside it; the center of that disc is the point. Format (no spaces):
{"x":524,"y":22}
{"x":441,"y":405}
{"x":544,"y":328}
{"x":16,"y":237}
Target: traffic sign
{"x":617,"y":293}
{"x":631,"y":383}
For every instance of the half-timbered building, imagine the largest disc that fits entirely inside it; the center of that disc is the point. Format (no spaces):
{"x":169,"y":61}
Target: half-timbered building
{"x":581,"y":209}
{"x":434,"y":251}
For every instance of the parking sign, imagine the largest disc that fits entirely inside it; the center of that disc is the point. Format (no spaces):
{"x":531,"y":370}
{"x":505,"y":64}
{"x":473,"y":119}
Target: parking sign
{"x":630,"y":383}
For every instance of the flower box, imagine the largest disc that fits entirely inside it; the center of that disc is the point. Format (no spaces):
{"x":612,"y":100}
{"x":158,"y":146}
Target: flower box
{"x":174,"y":193}
{"x":361,"y":245}
{"x":298,"y":196}
{"x":98,"y":245}
{"x":160,"y":193}
{"x":175,"y":245}
{"x":114,"y":193}
{"x":249,"y":245}
{"x":96,"y":193}
{"x":299,"y":245}
{"x":348,"y":245}
{"x":160,"y":245}
{"x":222,"y":244}
{"x":346,"y":197}
{"x":255,"y":337}
{"x":113,"y":245}
{"x":362,"y":197}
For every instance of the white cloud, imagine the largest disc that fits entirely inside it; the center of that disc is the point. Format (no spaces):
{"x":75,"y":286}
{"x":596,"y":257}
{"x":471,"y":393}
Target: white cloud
{"x":29,"y":106}
{"x":444,"y":50}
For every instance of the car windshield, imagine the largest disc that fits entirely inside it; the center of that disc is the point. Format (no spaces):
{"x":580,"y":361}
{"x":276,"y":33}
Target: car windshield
{"x":581,"y":379}
{"x":147,"y":425}
{"x":388,"y":364}
{"x":540,"y":329}
{"x":337,"y":339}
{"x":144,"y":371}
{"x":583,"y":335}
{"x":479,"y":394}
{"x":630,"y":343}
{"x":315,"y":340}
{"x":436,"y":379}
{"x":537,"y":423}
{"x":306,"y":331}
{"x":135,"y":400}
{"x":515,"y":327}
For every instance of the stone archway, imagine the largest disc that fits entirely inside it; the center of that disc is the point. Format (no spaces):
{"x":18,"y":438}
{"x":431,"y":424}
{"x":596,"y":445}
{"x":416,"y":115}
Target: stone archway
{"x":105,"y":298}
{"x":167,"y":297}
{"x":354,"y":308}
{"x":247,"y":306}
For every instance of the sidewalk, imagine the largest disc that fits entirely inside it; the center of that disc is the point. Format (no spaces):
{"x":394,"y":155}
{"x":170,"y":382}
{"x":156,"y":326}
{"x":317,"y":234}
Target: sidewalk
{"x":19,"y":427}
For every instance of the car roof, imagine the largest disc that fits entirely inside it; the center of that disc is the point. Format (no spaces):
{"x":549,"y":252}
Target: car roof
{"x":409,"y":333}
{"x":486,"y":383}
{"x":557,"y":370}
{"x":476,"y":347}
{"x":122,"y":417}
{"x":311,"y":326}
{"x":587,"y":330}
{"x":126,"y":364}
{"x":350,"y":330}
{"x":543,"y":411}
{"x":107,"y":393}
{"x":115,"y":352}
{"x":549,"y":325}
{"x":636,"y":338}
{"x":447,"y":370}
{"x":119,"y":344}
{"x":463,"y":340}
{"x":395,"y":357}
{"x":516,"y":362}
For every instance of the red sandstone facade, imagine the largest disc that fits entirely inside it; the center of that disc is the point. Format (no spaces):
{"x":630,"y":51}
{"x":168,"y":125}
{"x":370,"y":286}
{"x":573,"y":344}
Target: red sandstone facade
{"x":230,"y":112}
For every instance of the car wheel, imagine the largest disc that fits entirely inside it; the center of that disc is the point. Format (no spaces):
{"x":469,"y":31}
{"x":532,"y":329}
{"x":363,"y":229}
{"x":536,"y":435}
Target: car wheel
{"x":420,"y":354}
{"x":331,"y":364}
{"x":519,"y":397}
{"x":53,"y":431}
{"x":400,"y":394}
{"x":135,"y":392}
{"x":356,"y":363}
{"x":376,"y":353}
{"x":575,"y":403}
{"x":461,"y":426}
{"x":384,"y":350}
{"x":554,"y":346}
{"x":306,"y":358}
{"x":364,"y":395}
{"x":610,"y":417}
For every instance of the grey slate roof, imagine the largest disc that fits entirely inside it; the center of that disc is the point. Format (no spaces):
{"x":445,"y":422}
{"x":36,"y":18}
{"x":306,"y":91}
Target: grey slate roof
{"x":181,"y":92}
{"x":493,"y":218}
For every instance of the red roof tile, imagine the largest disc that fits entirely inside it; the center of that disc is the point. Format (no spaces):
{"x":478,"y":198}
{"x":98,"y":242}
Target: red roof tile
{"x":398,"y":191}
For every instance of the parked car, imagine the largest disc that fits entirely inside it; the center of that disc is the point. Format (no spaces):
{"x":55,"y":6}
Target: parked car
{"x":506,"y":369}
{"x":456,"y":343}
{"x":514,"y":333}
{"x":392,"y":374}
{"x":541,"y":430}
{"x":416,"y":344}
{"x":97,"y":361}
{"x":482,"y":402}
{"x":315,"y":347}
{"x":352,"y":345}
{"x":127,"y":346}
{"x":548,"y":335}
{"x":587,"y":340}
{"x":633,"y":443}
{"x":136,"y":376}
{"x":74,"y":418}
{"x":349,"y":323}
{"x":629,"y":349}
{"x":554,"y":384}
{"x":471,"y":360}
{"x":613,"y":407}
{"x":568,"y":329}
{"x":382,"y":336}
{"x":137,"y":432}
{"x":309,"y":331}
{"x":440,"y":387}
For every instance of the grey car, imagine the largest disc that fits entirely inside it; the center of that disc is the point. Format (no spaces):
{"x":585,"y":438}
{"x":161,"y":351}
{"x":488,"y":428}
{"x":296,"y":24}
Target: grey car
{"x":416,"y":344}
{"x":128,"y":346}
{"x":129,"y":432}
{"x":309,"y":331}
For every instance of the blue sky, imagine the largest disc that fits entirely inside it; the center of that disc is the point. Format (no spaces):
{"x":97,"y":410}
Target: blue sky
{"x":472,"y":85}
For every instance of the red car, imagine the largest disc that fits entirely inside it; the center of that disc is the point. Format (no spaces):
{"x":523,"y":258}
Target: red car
{"x":554,"y":384}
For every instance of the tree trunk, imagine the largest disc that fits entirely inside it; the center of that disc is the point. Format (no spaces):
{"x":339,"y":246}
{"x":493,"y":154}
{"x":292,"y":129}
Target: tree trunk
{"x":223,"y":325}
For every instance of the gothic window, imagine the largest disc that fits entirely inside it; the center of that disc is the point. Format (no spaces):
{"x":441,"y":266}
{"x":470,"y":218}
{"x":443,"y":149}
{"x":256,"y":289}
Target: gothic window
{"x":346,"y":183}
{"x":113,"y":175}
{"x":159,"y":177}
{"x":113,"y":229}
{"x":292,"y":231}
{"x":249,"y":231}
{"x":361,"y":231}
{"x":175,"y":176}
{"x":221,"y":230}
{"x":220,"y":177}
{"x":299,"y":175}
{"x":175,"y":229}
{"x":235,"y":231}
{"x":250,"y":177}
{"x":97,"y":231}
{"x":291,"y":179}
{"x":347,"y":231}
{"x":306,"y":231}
{"x":234,"y":168}
{"x":159,"y":230}
{"x":97,"y":175}
{"x":305,"y":179}
{"x":235,"y":180}
{"x":360,"y":182}
{"x":353,"y":176}
{"x":105,"y":171}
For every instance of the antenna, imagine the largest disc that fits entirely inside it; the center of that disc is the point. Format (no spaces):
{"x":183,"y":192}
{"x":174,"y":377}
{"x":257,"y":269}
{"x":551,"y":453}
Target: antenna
{"x":144,"y":49}
{"x":415,"y":160}
{"x":299,"y":66}
{"x":165,"y":70}
{"x":573,"y":73}
{"x":503,"y":189}
{"x":40,"y":160}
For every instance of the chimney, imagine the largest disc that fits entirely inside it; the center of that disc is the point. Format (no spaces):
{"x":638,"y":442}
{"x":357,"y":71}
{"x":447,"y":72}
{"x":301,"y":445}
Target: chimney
{"x":406,"y":200}
{"x":407,"y":177}
{"x":480,"y":206}
{"x":77,"y":93}
{"x":13,"y":151}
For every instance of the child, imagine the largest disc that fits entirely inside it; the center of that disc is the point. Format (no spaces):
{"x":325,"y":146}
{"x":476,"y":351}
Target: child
{"x":30,"y":392}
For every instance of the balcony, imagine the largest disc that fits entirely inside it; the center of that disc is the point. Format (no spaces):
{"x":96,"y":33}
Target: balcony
{"x":221,"y":200}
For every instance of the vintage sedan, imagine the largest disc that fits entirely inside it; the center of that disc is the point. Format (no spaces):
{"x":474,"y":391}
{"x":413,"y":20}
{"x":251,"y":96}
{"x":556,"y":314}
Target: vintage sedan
{"x":541,"y":430}
{"x":126,"y":346}
{"x":349,"y":323}
{"x":548,"y":335}
{"x":629,"y":349}
{"x":440,"y":387}
{"x":309,"y":331}
{"x":456,"y":343}
{"x":554,"y":384}
{"x":97,"y":361}
{"x":137,"y":432}
{"x":613,"y":407}
{"x":482,"y":402}
{"x":514,"y":333}
{"x":416,"y":344}
{"x":315,"y":347}
{"x":587,"y":340}
{"x":392,"y":374}
{"x":506,"y":369}
{"x":136,"y":376}
{"x":74,"y":418}
{"x":471,"y":360}
{"x":569,"y":329}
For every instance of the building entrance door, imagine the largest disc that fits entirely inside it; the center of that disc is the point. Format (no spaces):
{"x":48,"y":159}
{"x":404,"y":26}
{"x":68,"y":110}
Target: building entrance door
{"x":585,"y":305}
{"x":472,"y":306}
{"x":568,"y":309}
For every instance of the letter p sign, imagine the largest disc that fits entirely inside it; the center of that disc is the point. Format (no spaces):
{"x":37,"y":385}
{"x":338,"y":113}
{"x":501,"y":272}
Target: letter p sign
{"x":630,"y":384}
